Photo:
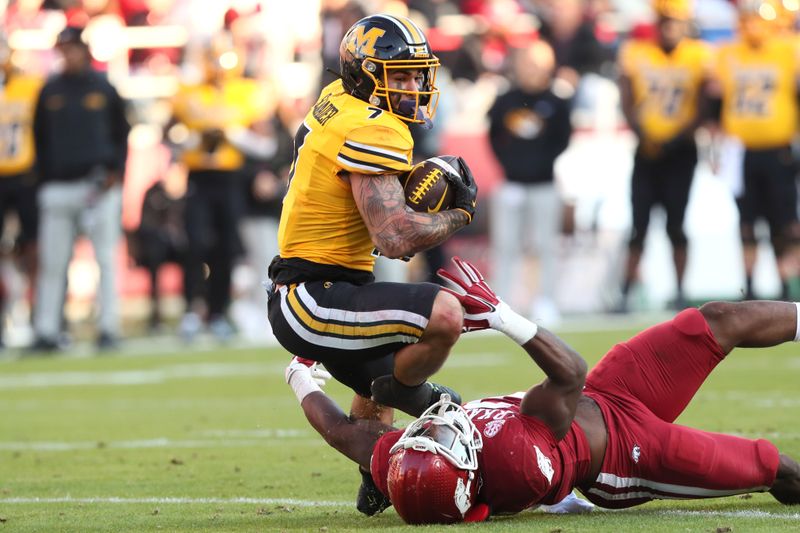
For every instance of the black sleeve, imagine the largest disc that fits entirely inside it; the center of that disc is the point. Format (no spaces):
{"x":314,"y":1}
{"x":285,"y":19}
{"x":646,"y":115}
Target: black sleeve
{"x":120,"y":128}
{"x":562,"y":125}
{"x":495,"y":123}
{"x":40,"y":137}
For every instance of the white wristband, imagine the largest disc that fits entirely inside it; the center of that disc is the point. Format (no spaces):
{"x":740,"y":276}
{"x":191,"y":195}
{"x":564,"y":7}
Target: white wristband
{"x":303,"y":384}
{"x":516,"y":326}
{"x":797,"y":327}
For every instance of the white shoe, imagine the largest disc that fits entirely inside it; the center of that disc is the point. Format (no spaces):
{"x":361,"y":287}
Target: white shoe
{"x":221,"y":329}
{"x":190,"y":326}
{"x":571,"y":504}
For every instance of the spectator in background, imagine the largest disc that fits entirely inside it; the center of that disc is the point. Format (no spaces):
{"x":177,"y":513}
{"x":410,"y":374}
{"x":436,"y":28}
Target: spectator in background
{"x":81,"y":138}
{"x":216,"y":124}
{"x":336,"y":17}
{"x":572,"y":35}
{"x":160,"y":237}
{"x":529,"y":128}
{"x":265,"y":188}
{"x":662,"y":86}
{"x":757,"y":80}
{"x":18,"y":183}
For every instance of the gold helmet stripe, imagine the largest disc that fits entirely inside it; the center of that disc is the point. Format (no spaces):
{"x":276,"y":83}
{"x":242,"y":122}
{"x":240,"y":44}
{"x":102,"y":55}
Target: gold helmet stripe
{"x":410,"y":31}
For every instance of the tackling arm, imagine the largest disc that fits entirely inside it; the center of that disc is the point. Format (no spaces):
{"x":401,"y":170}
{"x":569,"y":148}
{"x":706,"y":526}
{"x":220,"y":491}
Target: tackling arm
{"x":353,"y":438}
{"x":555,"y":399}
{"x":396,"y":230}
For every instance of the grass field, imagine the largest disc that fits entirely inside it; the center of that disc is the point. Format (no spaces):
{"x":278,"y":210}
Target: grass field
{"x":161,"y":439}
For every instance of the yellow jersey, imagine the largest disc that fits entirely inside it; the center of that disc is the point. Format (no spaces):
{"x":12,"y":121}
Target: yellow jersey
{"x":320,"y":221}
{"x":759,"y":92}
{"x":665,"y":85}
{"x":17,"y":106}
{"x":237,"y":102}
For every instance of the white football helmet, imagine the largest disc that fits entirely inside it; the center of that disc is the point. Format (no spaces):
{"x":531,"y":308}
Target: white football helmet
{"x":444,"y":428}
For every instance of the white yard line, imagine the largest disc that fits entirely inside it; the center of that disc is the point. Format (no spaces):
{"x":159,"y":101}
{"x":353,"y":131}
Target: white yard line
{"x":297,"y":437}
{"x":750,"y":514}
{"x":135,"y":377}
{"x":734,"y":514}
{"x":240,"y":500}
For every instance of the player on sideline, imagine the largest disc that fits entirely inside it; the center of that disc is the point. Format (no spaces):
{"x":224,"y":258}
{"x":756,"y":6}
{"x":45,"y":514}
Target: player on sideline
{"x":344,"y":206}
{"x":611,"y":435}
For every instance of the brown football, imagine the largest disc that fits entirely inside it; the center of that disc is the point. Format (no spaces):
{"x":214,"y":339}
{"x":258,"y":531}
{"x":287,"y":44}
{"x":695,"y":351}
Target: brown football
{"x":426,"y":186}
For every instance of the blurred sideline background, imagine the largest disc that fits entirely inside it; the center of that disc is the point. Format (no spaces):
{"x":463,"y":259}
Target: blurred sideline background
{"x":149,"y":47}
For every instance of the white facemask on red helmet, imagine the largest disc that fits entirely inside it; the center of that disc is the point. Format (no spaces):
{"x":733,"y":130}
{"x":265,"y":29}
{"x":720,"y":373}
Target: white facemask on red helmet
{"x":433,"y":467}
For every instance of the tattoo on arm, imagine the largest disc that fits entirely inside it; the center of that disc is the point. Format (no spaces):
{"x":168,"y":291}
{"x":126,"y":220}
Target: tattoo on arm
{"x":395,"y":228}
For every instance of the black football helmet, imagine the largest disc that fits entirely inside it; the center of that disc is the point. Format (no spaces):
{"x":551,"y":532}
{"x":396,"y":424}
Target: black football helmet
{"x":378,"y":44}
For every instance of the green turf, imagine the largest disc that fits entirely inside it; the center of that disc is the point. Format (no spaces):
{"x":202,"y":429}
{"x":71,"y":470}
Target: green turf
{"x":215,"y":441}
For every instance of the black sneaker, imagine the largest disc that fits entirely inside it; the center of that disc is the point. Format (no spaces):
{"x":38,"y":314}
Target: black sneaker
{"x":42,"y":345}
{"x":370,"y":501}
{"x":106,"y":342}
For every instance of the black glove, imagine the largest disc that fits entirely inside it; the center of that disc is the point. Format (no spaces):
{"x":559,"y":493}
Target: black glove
{"x":466,"y":189}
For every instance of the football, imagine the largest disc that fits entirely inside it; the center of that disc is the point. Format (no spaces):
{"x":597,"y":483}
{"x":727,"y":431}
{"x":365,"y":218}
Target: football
{"x":426,"y":187}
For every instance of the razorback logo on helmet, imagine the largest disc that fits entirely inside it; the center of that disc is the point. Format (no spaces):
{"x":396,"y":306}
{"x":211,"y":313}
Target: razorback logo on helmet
{"x":462,"y":496}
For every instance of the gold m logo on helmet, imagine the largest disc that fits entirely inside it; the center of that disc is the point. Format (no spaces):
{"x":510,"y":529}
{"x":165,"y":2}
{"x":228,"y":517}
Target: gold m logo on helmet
{"x":363,"y":43}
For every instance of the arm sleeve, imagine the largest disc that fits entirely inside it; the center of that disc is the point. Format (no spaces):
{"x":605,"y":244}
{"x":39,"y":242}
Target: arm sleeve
{"x":376,"y":150}
{"x":562,"y":126}
{"x":120,"y":130}
{"x":495,"y":124}
{"x":626,"y":59}
{"x":40,"y":137}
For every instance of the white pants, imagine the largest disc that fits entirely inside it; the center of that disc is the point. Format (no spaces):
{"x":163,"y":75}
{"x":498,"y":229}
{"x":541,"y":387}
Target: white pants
{"x":67,"y":208}
{"x":524,"y":219}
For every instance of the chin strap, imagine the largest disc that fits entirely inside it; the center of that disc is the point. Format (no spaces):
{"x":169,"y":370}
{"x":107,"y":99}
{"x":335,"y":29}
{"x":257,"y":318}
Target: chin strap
{"x":337,"y":74}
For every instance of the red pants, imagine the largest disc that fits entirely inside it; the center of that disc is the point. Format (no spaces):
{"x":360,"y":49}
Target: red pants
{"x":641,"y":387}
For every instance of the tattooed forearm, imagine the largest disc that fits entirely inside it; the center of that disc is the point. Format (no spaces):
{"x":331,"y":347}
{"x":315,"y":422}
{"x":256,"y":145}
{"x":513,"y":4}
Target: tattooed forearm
{"x":396,"y":230}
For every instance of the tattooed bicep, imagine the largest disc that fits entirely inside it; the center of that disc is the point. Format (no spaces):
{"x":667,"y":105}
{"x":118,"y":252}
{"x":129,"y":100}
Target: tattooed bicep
{"x":378,"y":197}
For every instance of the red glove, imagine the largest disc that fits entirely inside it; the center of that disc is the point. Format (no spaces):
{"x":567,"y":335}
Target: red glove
{"x":477,"y":298}
{"x":483,"y":309}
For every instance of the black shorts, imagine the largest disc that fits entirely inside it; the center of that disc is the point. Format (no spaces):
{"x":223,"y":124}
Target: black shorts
{"x":353,"y":330}
{"x":18,"y":194}
{"x":770,"y":191}
{"x":664,"y":181}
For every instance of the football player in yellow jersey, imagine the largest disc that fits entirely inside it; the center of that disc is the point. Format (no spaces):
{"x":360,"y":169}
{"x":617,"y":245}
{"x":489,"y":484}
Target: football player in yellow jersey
{"x":344,"y":206}
{"x":662,"y":87}
{"x":18,"y":183}
{"x":218,"y":123}
{"x":757,"y":81}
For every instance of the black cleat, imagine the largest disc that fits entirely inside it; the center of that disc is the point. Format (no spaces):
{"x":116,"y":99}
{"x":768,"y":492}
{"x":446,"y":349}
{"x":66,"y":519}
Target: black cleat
{"x":370,"y":501}
{"x":439,"y":390}
{"x":386,"y":390}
